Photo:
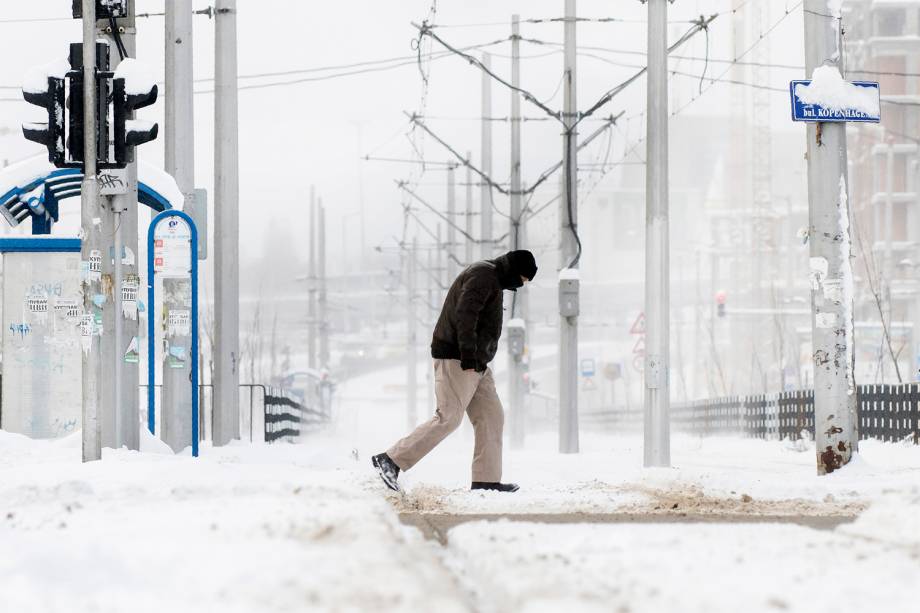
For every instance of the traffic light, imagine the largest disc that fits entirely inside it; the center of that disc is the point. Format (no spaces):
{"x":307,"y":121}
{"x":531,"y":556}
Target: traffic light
{"x":131,"y":90}
{"x":720,"y":304}
{"x":50,"y":133}
{"x":75,"y":141}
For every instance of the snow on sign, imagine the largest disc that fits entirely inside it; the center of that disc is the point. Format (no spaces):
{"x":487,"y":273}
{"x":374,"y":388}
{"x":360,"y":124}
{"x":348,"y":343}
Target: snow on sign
{"x":828,"y":97}
{"x":172,"y":247}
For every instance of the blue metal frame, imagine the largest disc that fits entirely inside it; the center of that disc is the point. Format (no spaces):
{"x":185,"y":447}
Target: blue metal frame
{"x":63,"y":183}
{"x":151,"y":333}
{"x":39,"y":245}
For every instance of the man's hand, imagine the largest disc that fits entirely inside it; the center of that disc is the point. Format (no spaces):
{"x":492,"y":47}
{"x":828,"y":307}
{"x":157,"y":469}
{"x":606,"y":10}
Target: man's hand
{"x":469,"y":364}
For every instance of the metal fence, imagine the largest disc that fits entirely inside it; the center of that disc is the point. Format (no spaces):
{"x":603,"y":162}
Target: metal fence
{"x":884,"y":412}
{"x":287,"y":418}
{"x":276,"y":413}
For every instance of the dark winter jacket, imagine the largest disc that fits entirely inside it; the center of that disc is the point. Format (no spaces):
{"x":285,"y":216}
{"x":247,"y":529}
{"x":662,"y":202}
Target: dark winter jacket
{"x":470,"y":323}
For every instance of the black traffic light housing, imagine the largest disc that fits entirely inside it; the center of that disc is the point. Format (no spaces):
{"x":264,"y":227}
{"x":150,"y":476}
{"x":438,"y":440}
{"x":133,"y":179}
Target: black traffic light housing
{"x":131,"y":132}
{"x":50,"y":134}
{"x":75,"y":134}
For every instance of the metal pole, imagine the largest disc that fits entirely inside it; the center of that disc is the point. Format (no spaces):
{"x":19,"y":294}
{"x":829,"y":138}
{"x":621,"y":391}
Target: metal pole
{"x":568,"y":247}
{"x":515,"y":362}
{"x":888,"y":261}
{"x":451,"y":229}
{"x":179,"y":150}
{"x":485,"y":193}
{"x":411,"y":329}
{"x":657,"y":274}
{"x":119,"y":402}
{"x":468,"y":259}
{"x":323,"y":312}
{"x":832,"y":274}
{"x":226,"y":198}
{"x":311,"y":283}
{"x":91,"y":210}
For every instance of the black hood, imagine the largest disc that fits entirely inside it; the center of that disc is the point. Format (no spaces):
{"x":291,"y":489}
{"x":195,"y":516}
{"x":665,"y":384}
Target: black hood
{"x":507,"y":277}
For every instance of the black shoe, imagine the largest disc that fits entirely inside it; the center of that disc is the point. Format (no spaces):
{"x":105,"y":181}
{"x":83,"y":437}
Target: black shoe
{"x":498,"y":487}
{"x":388,"y":470}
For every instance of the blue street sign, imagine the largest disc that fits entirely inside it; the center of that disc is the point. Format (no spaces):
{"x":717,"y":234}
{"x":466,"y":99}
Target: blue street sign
{"x":815,"y":112}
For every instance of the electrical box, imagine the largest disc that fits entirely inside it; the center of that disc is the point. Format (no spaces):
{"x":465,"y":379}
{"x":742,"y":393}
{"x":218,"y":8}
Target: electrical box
{"x":104,"y":9}
{"x":568,"y":297}
{"x":517,"y":337}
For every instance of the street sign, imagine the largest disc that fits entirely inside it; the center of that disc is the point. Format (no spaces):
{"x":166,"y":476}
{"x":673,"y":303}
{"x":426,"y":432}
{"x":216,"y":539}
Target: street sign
{"x":588,"y":367}
{"x":815,"y":112}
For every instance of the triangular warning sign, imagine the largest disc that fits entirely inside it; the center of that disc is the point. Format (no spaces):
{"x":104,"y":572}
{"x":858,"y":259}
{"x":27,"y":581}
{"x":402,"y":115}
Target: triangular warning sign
{"x":638,"y":326}
{"x":639,"y":349}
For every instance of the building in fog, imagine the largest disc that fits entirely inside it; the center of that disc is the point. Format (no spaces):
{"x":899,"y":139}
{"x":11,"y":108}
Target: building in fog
{"x":883,"y":44}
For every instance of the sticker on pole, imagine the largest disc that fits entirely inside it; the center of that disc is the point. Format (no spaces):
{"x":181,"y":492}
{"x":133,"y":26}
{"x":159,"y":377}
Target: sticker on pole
{"x":172,"y":247}
{"x":828,"y":97}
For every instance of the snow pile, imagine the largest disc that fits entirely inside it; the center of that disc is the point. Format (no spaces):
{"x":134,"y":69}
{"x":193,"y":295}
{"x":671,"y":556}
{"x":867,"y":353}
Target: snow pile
{"x":569,"y":274}
{"x":692,"y":568}
{"x":138,"y":77}
{"x":35,"y":79}
{"x":160,"y":182}
{"x":829,"y":90}
{"x":240,"y":529}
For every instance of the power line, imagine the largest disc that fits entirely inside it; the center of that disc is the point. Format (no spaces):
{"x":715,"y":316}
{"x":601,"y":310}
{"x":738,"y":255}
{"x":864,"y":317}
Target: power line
{"x":763,"y":35}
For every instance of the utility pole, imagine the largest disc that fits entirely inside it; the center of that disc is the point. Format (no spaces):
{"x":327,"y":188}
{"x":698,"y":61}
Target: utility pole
{"x":179,"y":149}
{"x":657,"y":274}
{"x":119,"y":401}
{"x":451,"y":227}
{"x":311,"y":283}
{"x":485,"y":193}
{"x":888,"y":260}
{"x":469,"y":213}
{"x":568,"y":250}
{"x":832,"y":274}
{"x":227,"y":228}
{"x":411,"y":329}
{"x":323,"y":311}
{"x":91,"y":209}
{"x":515,"y":353}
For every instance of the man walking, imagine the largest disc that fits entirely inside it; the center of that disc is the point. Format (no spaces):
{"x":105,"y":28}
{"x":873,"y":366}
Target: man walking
{"x":464,"y":342}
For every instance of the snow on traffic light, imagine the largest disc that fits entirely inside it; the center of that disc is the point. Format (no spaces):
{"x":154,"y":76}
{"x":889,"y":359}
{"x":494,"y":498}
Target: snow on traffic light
{"x":132,"y":88}
{"x":44,"y":86}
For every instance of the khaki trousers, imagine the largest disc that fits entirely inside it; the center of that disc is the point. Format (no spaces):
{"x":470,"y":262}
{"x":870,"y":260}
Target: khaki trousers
{"x":459,"y":390}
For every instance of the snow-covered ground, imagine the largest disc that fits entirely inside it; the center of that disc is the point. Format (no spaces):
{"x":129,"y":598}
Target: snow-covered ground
{"x":308,"y":527}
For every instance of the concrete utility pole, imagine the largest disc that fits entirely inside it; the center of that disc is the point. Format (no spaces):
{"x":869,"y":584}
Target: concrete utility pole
{"x":321,"y":300}
{"x":568,"y":248}
{"x":91,"y":210}
{"x":515,"y":358}
{"x":832,"y":274}
{"x":468,"y":257}
{"x":179,"y":149}
{"x":311,"y":283}
{"x":485,"y":192}
{"x":411,"y":329}
{"x":227,"y":228}
{"x":121,"y":419}
{"x":657,"y":274}
{"x":451,"y":227}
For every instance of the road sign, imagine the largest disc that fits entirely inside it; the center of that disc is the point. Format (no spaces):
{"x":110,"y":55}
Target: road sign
{"x":815,"y":112}
{"x":638,"y":326}
{"x":588,"y":367}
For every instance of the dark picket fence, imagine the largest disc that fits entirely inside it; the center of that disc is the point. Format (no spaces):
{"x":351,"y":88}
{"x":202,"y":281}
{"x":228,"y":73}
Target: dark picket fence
{"x":287,"y":418}
{"x":884,"y":412}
